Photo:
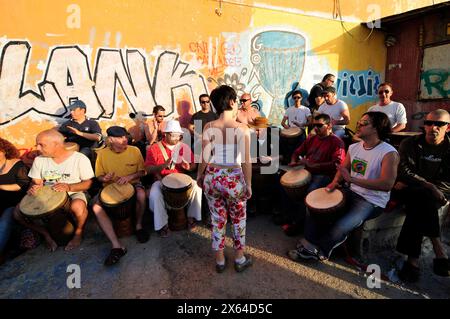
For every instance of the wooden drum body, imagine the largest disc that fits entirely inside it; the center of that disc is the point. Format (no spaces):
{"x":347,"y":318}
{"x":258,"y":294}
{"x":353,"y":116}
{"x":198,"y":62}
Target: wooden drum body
{"x":53,"y":210}
{"x":325,"y":206}
{"x":177,"y":190}
{"x":295,"y":182}
{"x":119,"y":202}
{"x":71,"y":146}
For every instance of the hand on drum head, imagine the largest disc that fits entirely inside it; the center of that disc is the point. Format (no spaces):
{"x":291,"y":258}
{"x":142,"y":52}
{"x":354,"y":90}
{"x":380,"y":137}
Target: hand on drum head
{"x":109,"y":177}
{"x":61,"y":187}
{"x":185,"y":165}
{"x":124,"y":180}
{"x":33,"y":189}
{"x":344,"y":173}
{"x":332,"y":186}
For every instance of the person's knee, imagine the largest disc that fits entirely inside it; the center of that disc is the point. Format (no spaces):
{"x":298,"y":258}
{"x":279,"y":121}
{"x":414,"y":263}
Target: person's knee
{"x":78,"y":207}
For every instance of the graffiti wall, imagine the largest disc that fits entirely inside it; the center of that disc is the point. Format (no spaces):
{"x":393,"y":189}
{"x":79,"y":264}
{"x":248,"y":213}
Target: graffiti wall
{"x":124,"y":57}
{"x":435,"y":77}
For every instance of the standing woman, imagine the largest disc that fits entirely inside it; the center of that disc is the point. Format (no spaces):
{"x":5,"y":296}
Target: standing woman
{"x":14,"y":182}
{"x":225,"y":174}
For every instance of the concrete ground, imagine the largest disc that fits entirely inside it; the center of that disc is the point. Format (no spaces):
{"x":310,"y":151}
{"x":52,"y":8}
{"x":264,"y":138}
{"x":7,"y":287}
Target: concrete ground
{"x":182,"y":266}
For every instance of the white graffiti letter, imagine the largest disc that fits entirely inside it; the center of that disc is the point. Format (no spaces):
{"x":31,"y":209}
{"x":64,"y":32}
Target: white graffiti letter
{"x":73,"y":280}
{"x":74,"y":19}
{"x":373,"y":281}
{"x":375,"y":16}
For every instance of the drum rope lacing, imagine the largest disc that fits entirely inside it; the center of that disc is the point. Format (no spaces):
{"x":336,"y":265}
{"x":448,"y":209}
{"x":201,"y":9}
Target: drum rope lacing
{"x":169,"y":207}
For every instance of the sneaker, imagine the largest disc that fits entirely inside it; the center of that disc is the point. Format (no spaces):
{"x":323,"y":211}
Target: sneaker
{"x":409,"y":273}
{"x":247,"y":263}
{"x":302,"y":253}
{"x":441,"y":266}
{"x":221,"y":268}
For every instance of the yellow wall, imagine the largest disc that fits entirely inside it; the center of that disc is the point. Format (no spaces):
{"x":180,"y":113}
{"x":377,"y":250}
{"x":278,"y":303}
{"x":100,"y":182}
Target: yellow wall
{"x":168,"y":52}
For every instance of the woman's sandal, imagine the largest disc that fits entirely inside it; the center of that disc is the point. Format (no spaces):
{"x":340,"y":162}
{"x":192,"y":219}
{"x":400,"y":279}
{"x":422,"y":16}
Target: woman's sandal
{"x":114,"y":256}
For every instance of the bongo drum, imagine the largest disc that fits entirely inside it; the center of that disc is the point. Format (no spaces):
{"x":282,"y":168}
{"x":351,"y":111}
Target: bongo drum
{"x":119,"y":202}
{"x":52,"y":209}
{"x":295,"y":183}
{"x":177,"y":190}
{"x":325,"y":206}
{"x":71,"y":146}
{"x":397,"y":137}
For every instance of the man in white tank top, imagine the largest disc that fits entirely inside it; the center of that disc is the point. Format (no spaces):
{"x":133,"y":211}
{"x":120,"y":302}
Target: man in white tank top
{"x":370,"y":168}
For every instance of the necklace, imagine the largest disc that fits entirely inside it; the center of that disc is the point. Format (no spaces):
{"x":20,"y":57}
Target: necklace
{"x":371,"y":148}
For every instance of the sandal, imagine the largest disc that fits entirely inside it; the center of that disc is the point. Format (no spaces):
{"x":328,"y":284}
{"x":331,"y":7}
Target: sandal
{"x":114,"y":256}
{"x":191,"y":224}
{"x":164,"y":232}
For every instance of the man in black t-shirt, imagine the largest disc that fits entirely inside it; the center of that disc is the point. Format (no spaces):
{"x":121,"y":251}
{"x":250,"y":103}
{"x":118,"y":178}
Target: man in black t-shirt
{"x":81,"y":130}
{"x":316,"y":91}
{"x":202,"y":117}
{"x":424,"y":182}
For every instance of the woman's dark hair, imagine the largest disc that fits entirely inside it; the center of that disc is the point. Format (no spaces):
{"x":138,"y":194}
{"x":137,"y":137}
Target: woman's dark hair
{"x":221,"y":97}
{"x":381,"y":123}
{"x":9,"y":149}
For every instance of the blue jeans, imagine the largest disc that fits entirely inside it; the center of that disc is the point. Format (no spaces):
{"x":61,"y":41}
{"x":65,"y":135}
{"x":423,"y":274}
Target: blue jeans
{"x":357,"y":212}
{"x":295,"y":211}
{"x":6,"y":224}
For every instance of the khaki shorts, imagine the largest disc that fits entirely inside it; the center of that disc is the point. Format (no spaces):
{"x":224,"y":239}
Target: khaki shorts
{"x":79,"y":195}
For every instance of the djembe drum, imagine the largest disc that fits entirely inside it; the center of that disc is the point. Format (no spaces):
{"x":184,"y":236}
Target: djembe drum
{"x":289,"y":140}
{"x":325,"y":206}
{"x":177,"y":190}
{"x":52,"y":209}
{"x":119,"y":202}
{"x":71,"y":146}
{"x":295,"y":183}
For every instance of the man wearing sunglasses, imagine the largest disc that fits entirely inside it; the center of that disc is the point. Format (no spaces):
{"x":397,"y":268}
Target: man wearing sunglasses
{"x":296,"y":115}
{"x":205,"y":115}
{"x":247,"y":113}
{"x":425,"y":170}
{"x":395,"y":111}
{"x":336,"y":109}
{"x":320,"y":154}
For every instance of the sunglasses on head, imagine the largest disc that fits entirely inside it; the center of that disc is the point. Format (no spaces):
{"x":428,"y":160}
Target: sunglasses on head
{"x":297,"y":97}
{"x":435,"y":123}
{"x":204,"y":102}
{"x":384,"y":91}
{"x":244,"y":100}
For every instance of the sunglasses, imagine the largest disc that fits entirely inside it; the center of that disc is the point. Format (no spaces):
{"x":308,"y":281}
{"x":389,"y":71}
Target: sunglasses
{"x":384,"y":91}
{"x":204,"y":102}
{"x":435,"y":123}
{"x":297,"y":97}
{"x":362,"y":123}
{"x":244,"y":100}
{"x":318,"y":125}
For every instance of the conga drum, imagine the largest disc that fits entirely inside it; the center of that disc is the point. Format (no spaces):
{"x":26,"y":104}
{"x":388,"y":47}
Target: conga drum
{"x":119,"y":202}
{"x":71,"y":146}
{"x":177,"y":190}
{"x":52,"y":209}
{"x":324,"y":206}
{"x":295,"y":182}
{"x":396,"y":138}
{"x":289,"y":140}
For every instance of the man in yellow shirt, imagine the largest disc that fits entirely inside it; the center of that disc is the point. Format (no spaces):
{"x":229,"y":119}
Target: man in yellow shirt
{"x":120,"y":163}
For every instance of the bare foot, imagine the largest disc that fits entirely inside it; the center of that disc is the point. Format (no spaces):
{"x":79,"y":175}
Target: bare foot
{"x":74,"y":243}
{"x":51,"y":245}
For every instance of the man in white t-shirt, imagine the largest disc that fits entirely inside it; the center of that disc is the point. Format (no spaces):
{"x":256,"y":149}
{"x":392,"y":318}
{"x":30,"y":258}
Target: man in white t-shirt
{"x":67,"y":171}
{"x":395,"y":111}
{"x":336,"y":109}
{"x":296,"y":115}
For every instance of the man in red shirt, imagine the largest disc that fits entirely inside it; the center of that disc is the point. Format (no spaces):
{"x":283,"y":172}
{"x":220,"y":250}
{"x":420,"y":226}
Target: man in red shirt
{"x":320,"y":154}
{"x":166,"y":157}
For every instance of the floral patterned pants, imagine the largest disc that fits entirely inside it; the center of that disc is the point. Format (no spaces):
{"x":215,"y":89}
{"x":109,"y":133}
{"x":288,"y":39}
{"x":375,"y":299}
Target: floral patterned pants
{"x":225,"y":191}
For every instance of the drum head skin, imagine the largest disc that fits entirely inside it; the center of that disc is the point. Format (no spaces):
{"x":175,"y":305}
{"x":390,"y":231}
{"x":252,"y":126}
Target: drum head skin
{"x":71,"y":146}
{"x":291,"y":132}
{"x":321,"y":198}
{"x":114,"y":194}
{"x":406,"y":134}
{"x":45,"y":200}
{"x":176,"y":181}
{"x":295,"y":177}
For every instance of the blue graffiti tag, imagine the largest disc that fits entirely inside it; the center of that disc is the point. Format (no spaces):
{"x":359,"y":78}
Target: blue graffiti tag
{"x":357,"y":87}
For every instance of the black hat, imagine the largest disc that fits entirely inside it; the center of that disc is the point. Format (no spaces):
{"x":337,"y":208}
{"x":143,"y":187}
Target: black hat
{"x":116,"y":131}
{"x":330,"y":89}
{"x":77,"y":103}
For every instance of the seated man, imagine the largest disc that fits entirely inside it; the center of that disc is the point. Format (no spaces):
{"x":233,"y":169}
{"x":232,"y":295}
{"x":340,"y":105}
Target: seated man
{"x":336,"y":109}
{"x":67,"y":171}
{"x":120,"y":163}
{"x":320,"y":154}
{"x":370,"y":167}
{"x":425,"y":172}
{"x":81,"y":130}
{"x":156,"y":125}
{"x":164,"y":158}
{"x":247,"y":113}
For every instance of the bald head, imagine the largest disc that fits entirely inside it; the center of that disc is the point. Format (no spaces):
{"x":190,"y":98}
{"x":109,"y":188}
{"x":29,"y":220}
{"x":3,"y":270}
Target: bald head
{"x":246,"y":100}
{"x":439,"y":114}
{"x":51,"y":135}
{"x":50,"y":143}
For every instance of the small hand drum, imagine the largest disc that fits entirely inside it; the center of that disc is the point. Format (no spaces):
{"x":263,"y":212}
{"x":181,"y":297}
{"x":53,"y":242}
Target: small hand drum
{"x":295,"y":182}
{"x":325,"y":206}
{"x":177,"y":190}
{"x":52,"y":209}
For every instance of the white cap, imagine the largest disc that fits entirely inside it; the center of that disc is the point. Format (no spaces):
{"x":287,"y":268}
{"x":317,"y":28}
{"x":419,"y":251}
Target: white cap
{"x":173,"y":126}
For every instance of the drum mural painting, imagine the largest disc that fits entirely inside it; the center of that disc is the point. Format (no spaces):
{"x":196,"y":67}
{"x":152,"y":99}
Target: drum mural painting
{"x":278,"y":58}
